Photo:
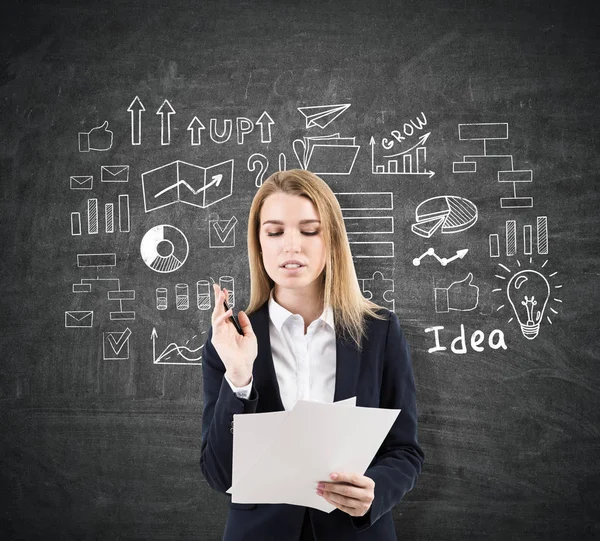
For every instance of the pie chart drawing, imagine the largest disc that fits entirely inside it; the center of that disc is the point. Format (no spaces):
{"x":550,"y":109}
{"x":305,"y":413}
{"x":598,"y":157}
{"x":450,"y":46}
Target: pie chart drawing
{"x":448,"y":213}
{"x":164,"y":248}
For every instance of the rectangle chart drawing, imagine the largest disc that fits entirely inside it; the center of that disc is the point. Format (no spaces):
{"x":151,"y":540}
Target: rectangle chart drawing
{"x":96,"y":260}
{"x":484,"y":130}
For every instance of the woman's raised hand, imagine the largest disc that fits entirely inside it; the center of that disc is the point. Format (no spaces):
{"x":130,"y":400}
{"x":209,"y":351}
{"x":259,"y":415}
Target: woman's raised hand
{"x":237,"y":352}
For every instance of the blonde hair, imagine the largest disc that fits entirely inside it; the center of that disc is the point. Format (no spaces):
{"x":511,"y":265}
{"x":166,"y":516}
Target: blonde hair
{"x":339,"y":284}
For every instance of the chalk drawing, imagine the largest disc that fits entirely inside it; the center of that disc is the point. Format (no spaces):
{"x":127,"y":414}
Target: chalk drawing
{"x":443,"y":261}
{"x":165,"y":111}
{"x":461,"y":296}
{"x":327,"y":154}
{"x":135,"y":109}
{"x":99,"y":139}
{"x":258,"y":163}
{"x":529,"y":292}
{"x":182,"y":182}
{"x":115,"y":345}
{"x":322,"y":115}
{"x":183,"y":354}
{"x":164,"y":248}
{"x":448,"y":213}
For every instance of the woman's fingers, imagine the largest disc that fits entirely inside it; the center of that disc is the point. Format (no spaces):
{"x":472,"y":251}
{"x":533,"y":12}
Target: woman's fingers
{"x":219,"y":309}
{"x":245,"y":324}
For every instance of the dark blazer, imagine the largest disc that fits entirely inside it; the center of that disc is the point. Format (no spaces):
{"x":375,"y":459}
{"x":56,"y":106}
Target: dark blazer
{"x":379,"y":376}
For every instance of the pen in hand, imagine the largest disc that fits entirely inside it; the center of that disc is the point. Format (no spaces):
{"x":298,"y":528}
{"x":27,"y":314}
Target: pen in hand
{"x":231,"y":318}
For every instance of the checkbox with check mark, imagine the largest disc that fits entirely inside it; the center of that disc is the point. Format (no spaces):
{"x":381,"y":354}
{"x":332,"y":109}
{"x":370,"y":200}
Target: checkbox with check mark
{"x":115,"y":345}
{"x":222,"y":233}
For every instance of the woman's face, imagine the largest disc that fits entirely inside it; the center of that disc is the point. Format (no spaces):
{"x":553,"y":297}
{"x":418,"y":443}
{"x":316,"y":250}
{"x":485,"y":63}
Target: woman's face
{"x":290,"y":229}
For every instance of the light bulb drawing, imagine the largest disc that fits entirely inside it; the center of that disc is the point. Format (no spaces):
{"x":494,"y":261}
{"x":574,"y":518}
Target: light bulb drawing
{"x":529,"y":291}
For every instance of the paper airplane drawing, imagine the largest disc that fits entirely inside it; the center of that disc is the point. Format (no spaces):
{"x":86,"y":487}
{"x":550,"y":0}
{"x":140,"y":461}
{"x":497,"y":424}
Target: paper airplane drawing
{"x":322,"y":115}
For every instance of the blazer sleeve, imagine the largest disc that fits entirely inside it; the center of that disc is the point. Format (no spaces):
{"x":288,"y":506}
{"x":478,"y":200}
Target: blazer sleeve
{"x":220,"y":405}
{"x":399,"y":460}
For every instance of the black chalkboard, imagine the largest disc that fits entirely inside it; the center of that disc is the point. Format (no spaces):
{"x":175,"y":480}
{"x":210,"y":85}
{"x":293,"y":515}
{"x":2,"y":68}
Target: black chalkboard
{"x":460,"y":126}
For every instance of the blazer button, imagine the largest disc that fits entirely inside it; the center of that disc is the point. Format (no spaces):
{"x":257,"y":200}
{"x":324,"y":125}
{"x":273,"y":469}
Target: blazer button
{"x":231,"y":429}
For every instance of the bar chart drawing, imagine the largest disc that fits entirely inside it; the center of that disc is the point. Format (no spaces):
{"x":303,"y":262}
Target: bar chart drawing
{"x":527,"y":242}
{"x":502,"y":163}
{"x":113,"y":214}
{"x":407,"y":162}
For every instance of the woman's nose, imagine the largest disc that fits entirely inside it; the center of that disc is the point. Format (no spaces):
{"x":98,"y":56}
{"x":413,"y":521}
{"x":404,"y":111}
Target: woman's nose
{"x":292,"y":241}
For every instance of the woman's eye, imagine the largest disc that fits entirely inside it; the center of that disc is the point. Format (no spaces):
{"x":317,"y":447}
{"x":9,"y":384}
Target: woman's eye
{"x":277,"y":233}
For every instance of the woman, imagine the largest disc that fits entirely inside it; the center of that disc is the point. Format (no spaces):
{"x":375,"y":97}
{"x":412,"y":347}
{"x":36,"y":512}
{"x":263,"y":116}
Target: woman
{"x":310,"y":334}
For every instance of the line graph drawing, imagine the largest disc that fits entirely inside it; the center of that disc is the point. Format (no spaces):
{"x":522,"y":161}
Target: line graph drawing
{"x":182,"y":182}
{"x":184,"y":354}
{"x":443,"y":261}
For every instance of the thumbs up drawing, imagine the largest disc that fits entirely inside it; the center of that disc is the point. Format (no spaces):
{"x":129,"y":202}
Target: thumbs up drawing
{"x":98,"y":138}
{"x":462,"y":296}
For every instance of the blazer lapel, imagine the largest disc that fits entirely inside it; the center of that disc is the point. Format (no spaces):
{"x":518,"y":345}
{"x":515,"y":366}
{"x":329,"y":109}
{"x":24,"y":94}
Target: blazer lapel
{"x":264,"y":369}
{"x":347,"y":366}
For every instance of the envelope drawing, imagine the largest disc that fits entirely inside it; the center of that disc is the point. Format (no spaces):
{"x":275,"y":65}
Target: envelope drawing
{"x":83,"y":182}
{"x":115,"y":345}
{"x":114,"y":173}
{"x":222,"y":233}
{"x":77,"y":319}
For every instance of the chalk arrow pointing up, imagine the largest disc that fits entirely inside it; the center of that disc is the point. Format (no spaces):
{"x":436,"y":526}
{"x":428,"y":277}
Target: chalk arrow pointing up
{"x":195,"y":128}
{"x":419,"y":143}
{"x":165,"y":111}
{"x":136,"y":120}
{"x":265,"y":122}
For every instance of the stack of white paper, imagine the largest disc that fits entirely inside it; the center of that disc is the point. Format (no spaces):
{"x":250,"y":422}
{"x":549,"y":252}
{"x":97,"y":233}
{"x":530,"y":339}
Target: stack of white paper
{"x":279,"y":457}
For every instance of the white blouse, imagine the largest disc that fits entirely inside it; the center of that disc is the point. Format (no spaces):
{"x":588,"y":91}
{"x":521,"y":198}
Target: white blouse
{"x":304,"y":363}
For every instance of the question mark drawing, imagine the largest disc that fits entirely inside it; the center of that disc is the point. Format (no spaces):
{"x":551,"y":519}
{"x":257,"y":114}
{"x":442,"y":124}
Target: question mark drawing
{"x":260,"y":162}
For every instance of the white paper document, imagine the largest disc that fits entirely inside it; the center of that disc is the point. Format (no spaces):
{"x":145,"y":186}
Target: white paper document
{"x":279,"y":457}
